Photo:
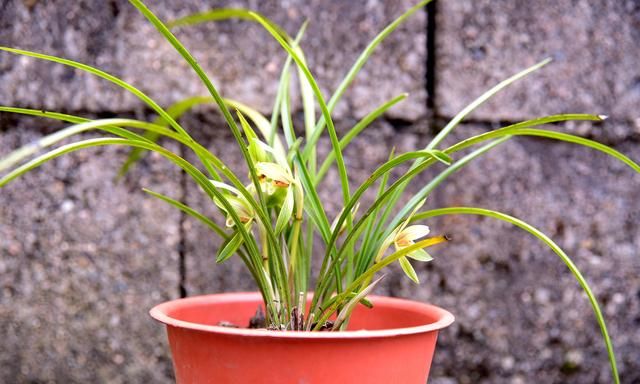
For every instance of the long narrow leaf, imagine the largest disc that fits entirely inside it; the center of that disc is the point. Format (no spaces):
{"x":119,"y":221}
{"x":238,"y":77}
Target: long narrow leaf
{"x":378,"y":173}
{"x":480,"y":100}
{"x":558,"y":251}
{"x":355,"y":131}
{"x":191,"y":212}
{"x":162,"y":28}
{"x":175,"y":110}
{"x":462,"y":114}
{"x":113,"y":79}
{"x":329,"y":309}
{"x":221,"y":14}
{"x":523,"y":130}
{"x":109,"y":125}
{"x":229,"y":248}
{"x":283,"y":73}
{"x":198,"y":177}
{"x":351,"y":304}
{"x":322,"y":285}
{"x":344,"y":180}
{"x":360,"y":62}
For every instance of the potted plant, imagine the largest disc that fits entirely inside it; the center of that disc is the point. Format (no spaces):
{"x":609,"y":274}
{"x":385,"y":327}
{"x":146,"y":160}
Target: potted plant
{"x":332,"y":330}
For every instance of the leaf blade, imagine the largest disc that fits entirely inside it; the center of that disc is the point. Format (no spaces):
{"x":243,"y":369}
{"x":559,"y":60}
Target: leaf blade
{"x":555,"y":248}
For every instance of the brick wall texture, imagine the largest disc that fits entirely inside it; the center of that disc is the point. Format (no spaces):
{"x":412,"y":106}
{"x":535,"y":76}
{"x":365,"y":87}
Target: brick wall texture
{"x":83,"y":257}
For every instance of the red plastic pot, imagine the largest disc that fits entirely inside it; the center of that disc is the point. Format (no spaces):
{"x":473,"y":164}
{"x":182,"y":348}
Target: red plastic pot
{"x":392,"y":343}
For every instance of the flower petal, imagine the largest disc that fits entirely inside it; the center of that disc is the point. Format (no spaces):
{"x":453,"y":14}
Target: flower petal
{"x":408,"y":269}
{"x":256,"y":151}
{"x":385,"y":245}
{"x":420,"y":255}
{"x":274,"y":172}
{"x":221,"y":185}
{"x":285,"y":212}
{"x":414,"y":232}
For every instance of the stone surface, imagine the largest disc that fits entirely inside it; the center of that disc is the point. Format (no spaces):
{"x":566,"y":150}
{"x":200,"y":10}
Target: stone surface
{"x":593,"y":44}
{"x":243,"y":60}
{"x":203,"y":275}
{"x":521,"y":317}
{"x":82,"y":260}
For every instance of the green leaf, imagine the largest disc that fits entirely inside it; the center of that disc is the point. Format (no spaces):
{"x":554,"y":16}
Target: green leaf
{"x":523,"y":129}
{"x":555,"y":248}
{"x":278,"y":272}
{"x":329,"y":307}
{"x":322,"y":282}
{"x":408,"y":269}
{"x":306,"y":92}
{"x":427,"y":189}
{"x":342,"y":171}
{"x":108,"y":125}
{"x":180,"y":48}
{"x":360,"y":62}
{"x":121,"y":83}
{"x":220,"y":14}
{"x":47,"y":114}
{"x":372,"y":227}
{"x":229,"y":247}
{"x":285,"y":113}
{"x":254,"y":259}
{"x":442,"y":157}
{"x":113,"y":79}
{"x":295,"y":147}
{"x":353,"y":132}
{"x":480,"y":100}
{"x":275,"y":114}
{"x":351,"y":304}
{"x":190,"y":211}
{"x":175,"y":110}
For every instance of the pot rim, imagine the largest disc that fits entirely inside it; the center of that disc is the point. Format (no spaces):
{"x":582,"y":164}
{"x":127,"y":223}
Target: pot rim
{"x":160,"y":313}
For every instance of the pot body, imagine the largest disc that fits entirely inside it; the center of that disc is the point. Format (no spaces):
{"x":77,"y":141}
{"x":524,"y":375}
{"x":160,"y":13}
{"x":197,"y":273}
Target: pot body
{"x":393,"y":342}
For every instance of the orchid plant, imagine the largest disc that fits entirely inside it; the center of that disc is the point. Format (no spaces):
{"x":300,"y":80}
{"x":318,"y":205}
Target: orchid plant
{"x":273,"y":215}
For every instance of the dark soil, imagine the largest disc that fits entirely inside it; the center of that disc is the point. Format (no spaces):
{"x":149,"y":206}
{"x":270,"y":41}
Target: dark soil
{"x":259,"y":321}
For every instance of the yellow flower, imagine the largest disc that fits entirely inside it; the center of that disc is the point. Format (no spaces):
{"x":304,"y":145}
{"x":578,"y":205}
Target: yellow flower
{"x":273,"y":176}
{"x":406,"y":237}
{"x":238,"y":203}
{"x":402,"y":237}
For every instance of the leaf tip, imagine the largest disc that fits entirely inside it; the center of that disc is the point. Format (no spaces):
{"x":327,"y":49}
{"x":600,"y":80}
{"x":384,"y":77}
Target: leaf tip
{"x":603,"y":117}
{"x":304,"y":26}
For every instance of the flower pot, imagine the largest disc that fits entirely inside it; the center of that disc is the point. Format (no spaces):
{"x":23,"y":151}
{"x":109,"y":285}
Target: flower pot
{"x":393,"y":342}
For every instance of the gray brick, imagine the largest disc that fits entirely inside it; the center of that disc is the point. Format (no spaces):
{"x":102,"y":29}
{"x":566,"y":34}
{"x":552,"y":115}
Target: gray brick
{"x":241,"y":58}
{"x":593,"y":44}
{"x":82,"y":261}
{"x":520,"y":314}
